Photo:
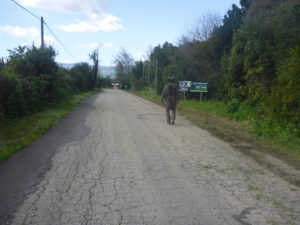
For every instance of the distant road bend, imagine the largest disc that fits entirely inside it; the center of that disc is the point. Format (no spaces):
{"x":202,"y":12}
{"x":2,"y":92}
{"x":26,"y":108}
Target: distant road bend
{"x":130,"y":167}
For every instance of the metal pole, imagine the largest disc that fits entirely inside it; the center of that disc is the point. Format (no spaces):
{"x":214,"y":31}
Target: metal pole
{"x":156,"y":76}
{"x":200,"y":96}
{"x":149,"y":71}
{"x":42,"y":32}
{"x":184,"y":95}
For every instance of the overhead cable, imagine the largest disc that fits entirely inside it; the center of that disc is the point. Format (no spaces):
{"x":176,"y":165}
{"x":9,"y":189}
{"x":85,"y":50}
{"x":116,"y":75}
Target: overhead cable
{"x":26,"y":10}
{"x":58,"y":39}
{"x":46,"y":26}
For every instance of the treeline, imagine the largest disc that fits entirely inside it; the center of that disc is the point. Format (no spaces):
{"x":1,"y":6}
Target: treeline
{"x":251,"y":56}
{"x":31,"y":80}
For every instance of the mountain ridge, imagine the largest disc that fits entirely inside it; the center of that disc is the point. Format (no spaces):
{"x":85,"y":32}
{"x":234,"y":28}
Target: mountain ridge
{"x":105,"y":71}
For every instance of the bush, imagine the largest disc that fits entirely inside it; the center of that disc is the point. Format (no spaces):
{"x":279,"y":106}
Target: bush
{"x":233,"y":106}
{"x":12,"y":101}
{"x":30,"y":80}
{"x":62,"y":94}
{"x":284,"y":102}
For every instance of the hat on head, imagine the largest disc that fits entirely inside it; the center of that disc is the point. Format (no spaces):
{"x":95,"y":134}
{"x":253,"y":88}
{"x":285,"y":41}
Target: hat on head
{"x":171,"y":79}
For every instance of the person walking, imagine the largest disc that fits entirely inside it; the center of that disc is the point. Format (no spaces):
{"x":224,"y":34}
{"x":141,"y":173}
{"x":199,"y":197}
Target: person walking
{"x":169,"y":95}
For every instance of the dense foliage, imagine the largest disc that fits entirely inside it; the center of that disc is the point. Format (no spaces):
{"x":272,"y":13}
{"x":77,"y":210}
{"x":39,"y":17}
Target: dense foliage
{"x":252,"y":57}
{"x":31,"y":80}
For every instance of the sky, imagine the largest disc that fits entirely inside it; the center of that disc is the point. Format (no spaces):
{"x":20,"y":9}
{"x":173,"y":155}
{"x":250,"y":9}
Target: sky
{"x":109,"y":25}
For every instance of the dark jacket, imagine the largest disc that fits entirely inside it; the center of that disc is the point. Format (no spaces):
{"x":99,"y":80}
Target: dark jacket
{"x":170,"y":93}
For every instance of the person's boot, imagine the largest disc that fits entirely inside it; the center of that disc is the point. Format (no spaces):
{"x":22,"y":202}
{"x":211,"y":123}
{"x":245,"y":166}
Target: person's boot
{"x":173,"y":122}
{"x":169,"y":122}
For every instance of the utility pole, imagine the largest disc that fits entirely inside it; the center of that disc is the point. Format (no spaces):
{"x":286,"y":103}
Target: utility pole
{"x":149,"y":63}
{"x":156,"y":76}
{"x":143,"y":68}
{"x":42,"y":32}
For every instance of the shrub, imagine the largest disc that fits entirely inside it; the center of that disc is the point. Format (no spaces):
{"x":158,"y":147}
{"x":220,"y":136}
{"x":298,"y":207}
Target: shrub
{"x":233,"y":105}
{"x":284,"y":102}
{"x":12,"y":101}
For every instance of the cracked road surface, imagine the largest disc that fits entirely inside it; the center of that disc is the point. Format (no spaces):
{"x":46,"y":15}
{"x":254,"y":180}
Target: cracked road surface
{"x":133,"y":168}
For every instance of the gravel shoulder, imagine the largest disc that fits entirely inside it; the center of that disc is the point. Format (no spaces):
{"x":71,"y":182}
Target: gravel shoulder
{"x":130,"y":167}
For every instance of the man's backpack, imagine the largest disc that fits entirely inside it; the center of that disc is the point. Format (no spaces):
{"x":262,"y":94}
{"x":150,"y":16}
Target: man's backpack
{"x":172,"y":92}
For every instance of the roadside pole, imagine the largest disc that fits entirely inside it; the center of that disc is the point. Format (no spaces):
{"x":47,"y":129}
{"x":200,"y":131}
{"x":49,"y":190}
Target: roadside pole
{"x":149,"y":71}
{"x":42,"y":32}
{"x":156,"y":76}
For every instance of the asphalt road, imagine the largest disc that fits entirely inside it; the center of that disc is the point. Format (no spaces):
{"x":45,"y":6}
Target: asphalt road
{"x":129,"y":166}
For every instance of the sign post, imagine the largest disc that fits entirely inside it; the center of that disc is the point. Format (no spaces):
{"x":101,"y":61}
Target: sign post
{"x":199,"y":87}
{"x":184,"y":86}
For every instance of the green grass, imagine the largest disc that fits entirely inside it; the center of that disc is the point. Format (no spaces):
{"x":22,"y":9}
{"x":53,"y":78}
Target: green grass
{"x":243,"y":113}
{"x":284,"y":137}
{"x":150,"y":93}
{"x":19,"y":133}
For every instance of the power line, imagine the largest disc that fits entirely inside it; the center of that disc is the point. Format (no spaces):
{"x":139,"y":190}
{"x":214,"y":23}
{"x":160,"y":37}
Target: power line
{"x":43,"y":22}
{"x":26,"y":10}
{"x":58,"y":40}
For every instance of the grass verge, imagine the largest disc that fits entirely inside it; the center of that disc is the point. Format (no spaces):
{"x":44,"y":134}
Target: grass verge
{"x":19,"y":133}
{"x":236,"y":123}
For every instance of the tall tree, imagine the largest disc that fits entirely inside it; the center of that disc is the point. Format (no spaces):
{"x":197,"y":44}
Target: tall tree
{"x":123,"y":65}
{"x":94,"y":56}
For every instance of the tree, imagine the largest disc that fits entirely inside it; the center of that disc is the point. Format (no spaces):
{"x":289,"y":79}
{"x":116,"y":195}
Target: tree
{"x":137,"y":80}
{"x":204,"y":26}
{"x":284,"y":101}
{"x":94,"y":56}
{"x":199,"y":59}
{"x":259,"y":47}
{"x":29,"y":62}
{"x":223,"y":35}
{"x":123,"y":65}
{"x":82,"y":77}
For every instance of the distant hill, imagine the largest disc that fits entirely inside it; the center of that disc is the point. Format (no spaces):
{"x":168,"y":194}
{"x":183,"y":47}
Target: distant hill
{"x":66,"y":65}
{"x":105,"y":71}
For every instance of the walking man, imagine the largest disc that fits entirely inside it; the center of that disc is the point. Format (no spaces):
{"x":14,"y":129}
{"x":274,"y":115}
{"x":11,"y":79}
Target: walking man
{"x":169,"y":95}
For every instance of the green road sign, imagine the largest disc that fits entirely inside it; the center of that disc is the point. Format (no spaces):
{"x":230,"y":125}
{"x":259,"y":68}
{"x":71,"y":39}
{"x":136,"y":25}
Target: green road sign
{"x":198,"y":87}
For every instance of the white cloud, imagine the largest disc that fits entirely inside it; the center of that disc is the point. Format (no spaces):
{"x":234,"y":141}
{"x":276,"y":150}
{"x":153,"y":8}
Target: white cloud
{"x":140,"y":57}
{"x":108,"y":45}
{"x":49,"y":40}
{"x":91,"y":46}
{"x":29,"y":32}
{"x":24,"y":44}
{"x":68,"y":6}
{"x":97,"y":45}
{"x":103,"y":22}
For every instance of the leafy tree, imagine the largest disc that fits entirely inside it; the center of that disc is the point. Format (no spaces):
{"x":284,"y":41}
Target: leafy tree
{"x":223,"y":35}
{"x":284,"y":101}
{"x":2,"y":64}
{"x":259,"y":47}
{"x":137,"y":79}
{"x":30,"y":80}
{"x":82,"y":77}
{"x":28,"y":62}
{"x":37,"y":66}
